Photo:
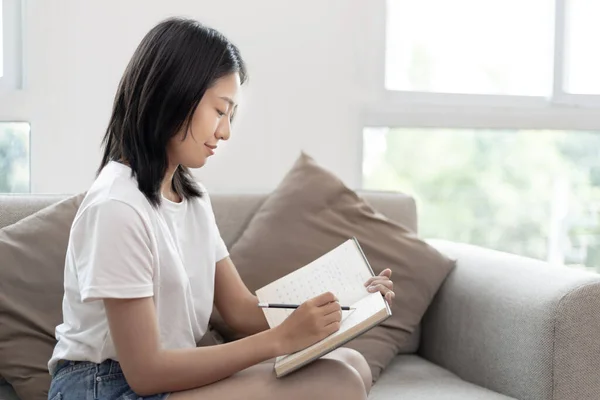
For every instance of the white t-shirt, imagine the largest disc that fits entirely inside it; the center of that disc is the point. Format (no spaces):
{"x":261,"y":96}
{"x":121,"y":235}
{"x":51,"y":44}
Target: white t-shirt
{"x":120,"y":246}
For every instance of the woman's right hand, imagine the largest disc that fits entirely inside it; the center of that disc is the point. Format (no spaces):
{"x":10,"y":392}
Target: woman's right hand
{"x":313,"y":320}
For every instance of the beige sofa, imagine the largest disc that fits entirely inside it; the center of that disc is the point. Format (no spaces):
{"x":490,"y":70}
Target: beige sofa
{"x":501,"y":326}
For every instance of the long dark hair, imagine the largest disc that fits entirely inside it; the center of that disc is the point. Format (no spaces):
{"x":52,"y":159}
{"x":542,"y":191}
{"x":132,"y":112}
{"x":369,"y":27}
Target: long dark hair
{"x":173,"y":66}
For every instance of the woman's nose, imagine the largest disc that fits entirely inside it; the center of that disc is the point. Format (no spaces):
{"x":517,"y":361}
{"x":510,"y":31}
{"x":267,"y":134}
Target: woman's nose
{"x":224,"y":130}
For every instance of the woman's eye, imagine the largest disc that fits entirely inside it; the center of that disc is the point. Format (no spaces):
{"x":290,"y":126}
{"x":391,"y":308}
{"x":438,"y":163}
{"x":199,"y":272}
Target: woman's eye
{"x":221,"y":113}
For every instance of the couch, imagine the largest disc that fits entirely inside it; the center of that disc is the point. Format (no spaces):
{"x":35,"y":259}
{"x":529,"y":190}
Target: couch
{"x":500,"y":327}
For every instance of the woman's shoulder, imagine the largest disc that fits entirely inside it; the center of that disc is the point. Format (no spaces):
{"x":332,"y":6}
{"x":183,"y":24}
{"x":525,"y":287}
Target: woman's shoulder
{"x":109,"y":209}
{"x":115,"y":195}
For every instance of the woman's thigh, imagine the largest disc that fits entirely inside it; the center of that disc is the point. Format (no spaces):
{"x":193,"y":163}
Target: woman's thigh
{"x":328,"y":378}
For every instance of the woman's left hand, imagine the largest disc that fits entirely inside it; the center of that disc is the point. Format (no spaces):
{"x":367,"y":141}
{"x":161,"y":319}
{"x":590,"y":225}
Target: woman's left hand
{"x":382,"y":283}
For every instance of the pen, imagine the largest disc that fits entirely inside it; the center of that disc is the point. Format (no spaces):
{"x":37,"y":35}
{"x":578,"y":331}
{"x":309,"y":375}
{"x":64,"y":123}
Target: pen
{"x":276,"y":305}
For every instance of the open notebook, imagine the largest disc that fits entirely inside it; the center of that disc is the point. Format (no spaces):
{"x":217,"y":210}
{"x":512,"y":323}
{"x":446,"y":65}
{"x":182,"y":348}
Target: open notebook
{"x":343,"y":271}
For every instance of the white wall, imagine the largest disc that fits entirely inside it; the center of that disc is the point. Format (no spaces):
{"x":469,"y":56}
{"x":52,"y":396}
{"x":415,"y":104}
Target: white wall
{"x":308,"y":81}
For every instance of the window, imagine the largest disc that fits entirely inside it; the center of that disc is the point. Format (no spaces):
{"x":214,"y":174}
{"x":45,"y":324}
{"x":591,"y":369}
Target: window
{"x":1,"y":41}
{"x":14,"y":136}
{"x":10,"y":44}
{"x":537,"y":48}
{"x":582,"y":64}
{"x":534,"y":193}
{"x":487,"y":113}
{"x":435,"y":46}
{"x":14,"y":157}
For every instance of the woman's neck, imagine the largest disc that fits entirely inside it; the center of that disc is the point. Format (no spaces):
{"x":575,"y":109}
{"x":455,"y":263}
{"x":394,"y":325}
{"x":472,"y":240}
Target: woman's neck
{"x":166,"y":187}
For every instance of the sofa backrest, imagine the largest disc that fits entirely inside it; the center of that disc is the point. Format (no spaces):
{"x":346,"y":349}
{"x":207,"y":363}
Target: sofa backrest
{"x":233,"y":212}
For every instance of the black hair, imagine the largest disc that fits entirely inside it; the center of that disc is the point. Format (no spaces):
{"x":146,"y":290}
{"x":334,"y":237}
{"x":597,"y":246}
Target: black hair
{"x":171,"y":69}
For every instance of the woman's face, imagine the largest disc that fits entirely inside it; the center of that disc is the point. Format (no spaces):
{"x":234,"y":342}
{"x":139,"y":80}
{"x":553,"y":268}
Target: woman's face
{"x":210,"y":123}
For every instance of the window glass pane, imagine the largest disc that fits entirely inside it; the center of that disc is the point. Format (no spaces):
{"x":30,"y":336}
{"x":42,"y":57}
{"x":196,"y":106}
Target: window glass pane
{"x":14,"y":157}
{"x":533,"y":193}
{"x":470,"y":46}
{"x":1,"y":41}
{"x":582,"y":56}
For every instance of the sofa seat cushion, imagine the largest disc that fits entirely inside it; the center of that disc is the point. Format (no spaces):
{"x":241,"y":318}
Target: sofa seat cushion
{"x":413,"y":377}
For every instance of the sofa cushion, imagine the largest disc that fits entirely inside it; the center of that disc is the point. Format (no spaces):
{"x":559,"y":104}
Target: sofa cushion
{"x":31,"y":290}
{"x":413,"y":377}
{"x":310,"y":213}
{"x":7,"y":392}
{"x":15,"y":207}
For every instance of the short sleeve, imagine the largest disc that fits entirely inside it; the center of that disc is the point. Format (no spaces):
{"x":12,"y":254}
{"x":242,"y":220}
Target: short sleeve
{"x":221,"y":250}
{"x":110,"y":245}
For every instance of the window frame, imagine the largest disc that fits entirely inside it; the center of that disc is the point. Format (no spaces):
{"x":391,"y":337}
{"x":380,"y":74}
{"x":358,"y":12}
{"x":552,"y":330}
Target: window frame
{"x":559,"y":95}
{"x":12,"y":36}
{"x":401,"y":107}
{"x":409,"y":109}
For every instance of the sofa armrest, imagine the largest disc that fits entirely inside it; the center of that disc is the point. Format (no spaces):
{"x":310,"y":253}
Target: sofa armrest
{"x":515,"y":325}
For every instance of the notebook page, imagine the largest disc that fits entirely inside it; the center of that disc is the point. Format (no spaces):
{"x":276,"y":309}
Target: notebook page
{"x":365,"y":308}
{"x":342,"y":271}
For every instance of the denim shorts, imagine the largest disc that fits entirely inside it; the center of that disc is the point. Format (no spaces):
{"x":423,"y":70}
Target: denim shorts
{"x":82,"y":380}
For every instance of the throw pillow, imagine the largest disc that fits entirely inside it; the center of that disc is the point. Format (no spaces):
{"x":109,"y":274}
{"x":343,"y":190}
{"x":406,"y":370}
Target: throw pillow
{"x":31,"y":289}
{"x":310,"y":213}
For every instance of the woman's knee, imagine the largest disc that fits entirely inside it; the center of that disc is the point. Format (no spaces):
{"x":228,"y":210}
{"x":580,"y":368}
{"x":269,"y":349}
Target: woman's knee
{"x":324,"y":379}
{"x":357,"y":361}
{"x":343,"y":380}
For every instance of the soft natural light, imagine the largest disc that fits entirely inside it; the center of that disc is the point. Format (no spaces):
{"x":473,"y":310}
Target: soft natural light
{"x":533,"y":193}
{"x":583,"y":57}
{"x":14,"y":157}
{"x":1,"y":42}
{"x":471,"y":46}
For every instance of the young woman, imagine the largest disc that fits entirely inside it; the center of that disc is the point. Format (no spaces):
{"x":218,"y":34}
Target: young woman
{"x":145,"y":261}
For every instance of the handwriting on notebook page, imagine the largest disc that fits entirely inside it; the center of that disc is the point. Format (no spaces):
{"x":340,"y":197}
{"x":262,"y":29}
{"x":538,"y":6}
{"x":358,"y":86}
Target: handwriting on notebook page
{"x":365,"y":308}
{"x":342,"y":271}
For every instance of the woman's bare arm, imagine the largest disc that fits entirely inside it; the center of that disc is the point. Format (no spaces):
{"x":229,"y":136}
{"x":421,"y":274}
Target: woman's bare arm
{"x":149,"y":369}
{"x":236,"y":304}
